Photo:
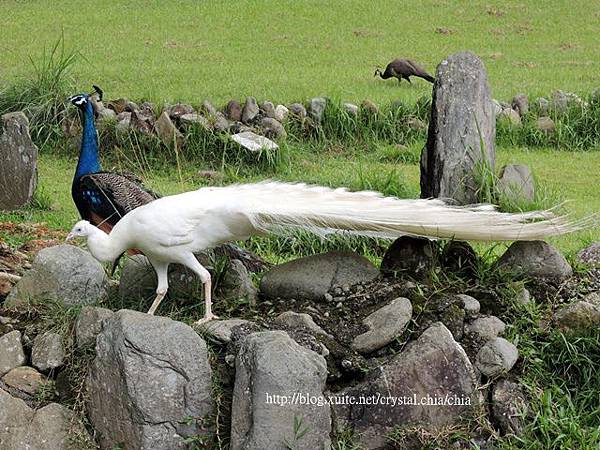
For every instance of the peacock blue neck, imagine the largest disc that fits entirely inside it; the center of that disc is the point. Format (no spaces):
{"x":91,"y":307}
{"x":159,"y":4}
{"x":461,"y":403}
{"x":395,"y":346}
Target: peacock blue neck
{"x":88,"y":155}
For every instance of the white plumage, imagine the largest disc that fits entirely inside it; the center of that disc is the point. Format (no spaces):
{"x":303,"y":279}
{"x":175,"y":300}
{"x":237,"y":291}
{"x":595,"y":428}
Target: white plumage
{"x":171,"y":229}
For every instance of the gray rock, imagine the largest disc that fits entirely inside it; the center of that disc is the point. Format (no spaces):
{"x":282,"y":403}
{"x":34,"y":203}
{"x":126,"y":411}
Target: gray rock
{"x":268,"y":109}
{"x":516,"y":182}
{"x":545,"y":125}
{"x":470,"y":305}
{"x":253,"y":142}
{"x":298,"y":110}
{"x":281,"y":113}
{"x":312,"y":277}
{"x":535,"y":259}
{"x":25,"y":379}
{"x":142,"y":121}
{"x":461,"y":110}
{"x":11,"y":352}
{"x":520,"y":103}
{"x":273,"y":129}
{"x":233,"y":111}
{"x":237,"y":284}
{"x":208,"y":108}
{"x":123,"y":122}
{"x":578,"y":317}
{"x":434,"y":365}
{"x":385,"y":325}
{"x":250,"y":110}
{"x":496,"y":357}
{"x":351,"y":109}
{"x":18,"y":153}
{"x":49,"y":428}
{"x":48,"y":352}
{"x":560,"y":102}
{"x":89,"y":324}
{"x":194,"y":118}
{"x":271,"y":367}
{"x":410,"y":255}
{"x":303,"y":321}
{"x":510,"y":116}
{"x":369,"y":108}
{"x":64,"y":274}
{"x":220,"y":123}
{"x":158,"y":376}
{"x":509,"y":407}
{"x":522,"y":295}
{"x":590,"y":255}
{"x":167,"y":131}
{"x":542,"y":105}
{"x":485,"y":329}
{"x":221,"y":329}
{"x":179,"y":109}
{"x":316,"y":108}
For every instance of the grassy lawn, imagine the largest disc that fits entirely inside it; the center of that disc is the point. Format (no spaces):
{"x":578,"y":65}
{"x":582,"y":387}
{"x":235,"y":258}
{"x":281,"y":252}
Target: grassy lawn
{"x":289,"y":50}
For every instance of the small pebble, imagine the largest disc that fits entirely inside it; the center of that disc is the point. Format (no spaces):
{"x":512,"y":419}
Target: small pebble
{"x":328,"y":297}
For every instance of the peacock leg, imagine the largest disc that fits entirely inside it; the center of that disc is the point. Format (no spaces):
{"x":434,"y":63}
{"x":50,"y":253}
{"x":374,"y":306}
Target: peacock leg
{"x":162,"y":271}
{"x":204,"y":275}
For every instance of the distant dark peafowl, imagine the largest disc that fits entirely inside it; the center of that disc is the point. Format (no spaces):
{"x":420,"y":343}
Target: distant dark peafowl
{"x":101,"y":197}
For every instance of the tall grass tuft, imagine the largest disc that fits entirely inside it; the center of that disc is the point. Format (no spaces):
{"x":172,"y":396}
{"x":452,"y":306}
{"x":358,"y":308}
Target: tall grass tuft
{"x":42,"y":95}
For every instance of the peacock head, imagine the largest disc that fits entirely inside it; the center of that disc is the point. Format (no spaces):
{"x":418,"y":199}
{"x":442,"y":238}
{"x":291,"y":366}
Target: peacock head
{"x":82,"y":100}
{"x":81,"y":229}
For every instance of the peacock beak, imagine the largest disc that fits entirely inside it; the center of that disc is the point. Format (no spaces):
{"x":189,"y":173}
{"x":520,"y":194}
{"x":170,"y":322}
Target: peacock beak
{"x":69,"y":237}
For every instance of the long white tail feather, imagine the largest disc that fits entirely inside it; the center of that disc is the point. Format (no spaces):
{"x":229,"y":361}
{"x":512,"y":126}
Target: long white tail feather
{"x":273,"y":207}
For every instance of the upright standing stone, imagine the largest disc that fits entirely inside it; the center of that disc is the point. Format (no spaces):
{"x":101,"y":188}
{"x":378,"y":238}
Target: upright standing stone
{"x":18,"y":156}
{"x":462,"y":119}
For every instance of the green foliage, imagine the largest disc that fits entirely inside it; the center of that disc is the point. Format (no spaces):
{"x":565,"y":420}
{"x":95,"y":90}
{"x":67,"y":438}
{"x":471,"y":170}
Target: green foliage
{"x":42,"y":95}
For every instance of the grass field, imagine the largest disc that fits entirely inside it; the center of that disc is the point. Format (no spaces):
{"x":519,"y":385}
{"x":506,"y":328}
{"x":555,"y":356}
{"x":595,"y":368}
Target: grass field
{"x":293,"y":50}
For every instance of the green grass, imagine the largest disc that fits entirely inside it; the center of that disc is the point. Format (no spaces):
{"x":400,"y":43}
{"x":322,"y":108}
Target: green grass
{"x":293,"y":50}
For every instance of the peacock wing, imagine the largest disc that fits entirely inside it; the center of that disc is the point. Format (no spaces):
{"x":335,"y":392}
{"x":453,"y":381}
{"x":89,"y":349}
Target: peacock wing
{"x":111,"y":195}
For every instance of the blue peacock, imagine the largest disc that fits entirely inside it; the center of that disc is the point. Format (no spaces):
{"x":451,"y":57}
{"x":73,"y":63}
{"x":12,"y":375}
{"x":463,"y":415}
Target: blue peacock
{"x":102,"y":197}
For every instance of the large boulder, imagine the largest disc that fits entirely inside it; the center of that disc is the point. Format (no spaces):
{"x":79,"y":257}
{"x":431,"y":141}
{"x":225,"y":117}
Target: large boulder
{"x":462,"y":130}
{"x":64,"y":274}
{"x":312,"y":277}
{"x":279,"y":385}
{"x":432,"y":368}
{"x":159,"y":379}
{"x":18,"y":153}
{"x":52,"y":427}
{"x":536,"y":259}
